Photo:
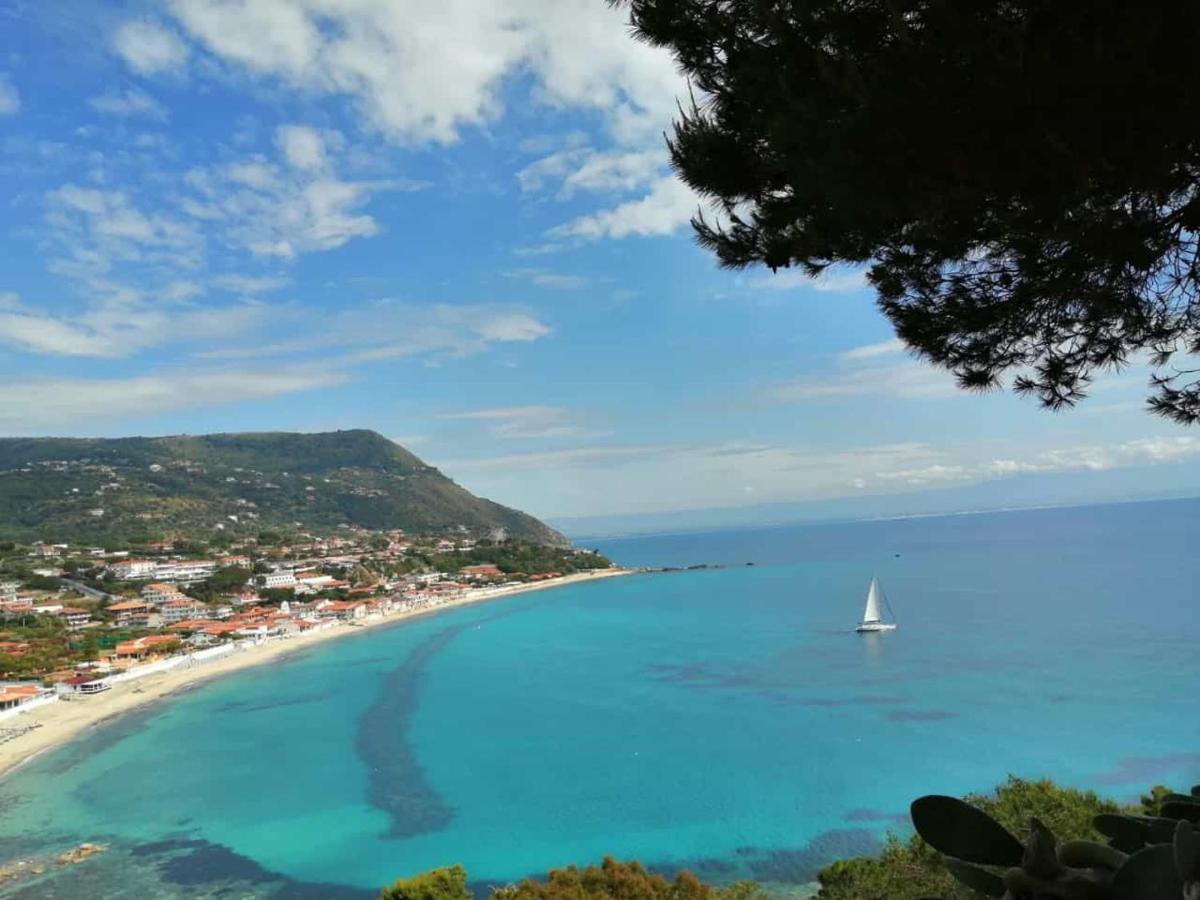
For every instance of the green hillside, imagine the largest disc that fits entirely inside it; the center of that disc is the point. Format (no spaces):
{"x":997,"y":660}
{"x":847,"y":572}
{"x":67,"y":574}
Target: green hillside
{"x":105,"y":490}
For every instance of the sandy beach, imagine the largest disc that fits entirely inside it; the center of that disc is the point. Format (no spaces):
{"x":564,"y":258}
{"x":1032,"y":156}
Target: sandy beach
{"x":60,"y":722}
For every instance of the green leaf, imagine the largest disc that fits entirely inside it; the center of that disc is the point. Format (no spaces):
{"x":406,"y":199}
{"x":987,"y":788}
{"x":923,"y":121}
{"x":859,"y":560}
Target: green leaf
{"x":1188,"y":811}
{"x":975,"y":878}
{"x":1159,"y":830}
{"x":1187,"y":852}
{"x":1148,"y":875}
{"x":1177,"y":798}
{"x":1125,"y":833}
{"x":962,"y":831}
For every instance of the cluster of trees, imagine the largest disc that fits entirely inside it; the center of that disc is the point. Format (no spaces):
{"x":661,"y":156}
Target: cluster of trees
{"x":611,"y":880}
{"x":907,"y":869}
{"x":508,"y":556}
{"x":51,"y":646}
{"x":226,"y":580}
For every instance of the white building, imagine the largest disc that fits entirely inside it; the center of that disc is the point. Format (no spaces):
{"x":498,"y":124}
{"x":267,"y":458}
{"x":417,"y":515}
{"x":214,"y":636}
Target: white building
{"x":178,"y":610}
{"x":283,"y":578}
{"x":134,"y":569}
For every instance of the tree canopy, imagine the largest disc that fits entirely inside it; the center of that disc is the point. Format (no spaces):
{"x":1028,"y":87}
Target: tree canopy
{"x":910,"y":869}
{"x":1020,"y":176}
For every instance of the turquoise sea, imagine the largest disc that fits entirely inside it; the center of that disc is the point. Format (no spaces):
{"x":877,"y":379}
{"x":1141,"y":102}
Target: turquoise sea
{"x":724,"y":720}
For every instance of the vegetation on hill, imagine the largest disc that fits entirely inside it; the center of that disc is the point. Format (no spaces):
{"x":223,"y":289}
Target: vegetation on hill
{"x":907,"y":869}
{"x":1025,"y":189}
{"x":510,"y":557}
{"x":131,"y":490}
{"x":611,"y":880}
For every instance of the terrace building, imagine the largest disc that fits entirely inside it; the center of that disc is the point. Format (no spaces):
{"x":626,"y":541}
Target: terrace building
{"x":74,"y":618}
{"x":131,"y":614}
{"x":160,"y":593}
{"x":133,"y":569}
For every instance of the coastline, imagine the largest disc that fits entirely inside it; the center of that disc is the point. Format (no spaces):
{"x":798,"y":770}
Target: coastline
{"x":61,"y":722}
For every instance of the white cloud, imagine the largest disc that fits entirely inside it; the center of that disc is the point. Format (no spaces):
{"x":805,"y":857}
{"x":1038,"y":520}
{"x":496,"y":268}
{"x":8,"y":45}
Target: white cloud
{"x":96,"y":228}
{"x":668,"y":206}
{"x":10,"y":99}
{"x":148,"y":47}
{"x":894,"y":347}
{"x":113,"y":329}
{"x":828,"y":282}
{"x":284,"y":211}
{"x":907,"y":380}
{"x":390,"y":329}
{"x":250,"y":284}
{"x":30,"y":406}
{"x":624,"y":478}
{"x":423,"y":70}
{"x":585,"y":169}
{"x":547,"y":278}
{"x":523,"y":422}
{"x":303,"y":147}
{"x":129,"y":102}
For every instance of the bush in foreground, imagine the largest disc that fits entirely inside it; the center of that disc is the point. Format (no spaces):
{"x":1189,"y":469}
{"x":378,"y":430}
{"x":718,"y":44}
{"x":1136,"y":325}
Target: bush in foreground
{"x":1080,"y":847}
{"x":911,"y":869}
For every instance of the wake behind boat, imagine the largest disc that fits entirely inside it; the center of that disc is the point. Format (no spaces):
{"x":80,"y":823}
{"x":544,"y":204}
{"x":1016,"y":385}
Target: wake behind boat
{"x":872,"y":619}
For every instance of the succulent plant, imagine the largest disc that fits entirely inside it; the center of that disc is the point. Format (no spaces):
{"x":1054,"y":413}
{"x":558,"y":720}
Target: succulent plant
{"x":1146,"y":857}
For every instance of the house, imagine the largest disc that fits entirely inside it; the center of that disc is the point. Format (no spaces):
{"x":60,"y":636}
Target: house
{"x":184,"y":608}
{"x":140,"y":648}
{"x":427,"y":578}
{"x":185,"y":571}
{"x":46,"y":551}
{"x":82,"y":684}
{"x":160,"y":593}
{"x":47,"y":609}
{"x":485,"y":570}
{"x":314,"y":581}
{"x":257,"y":630}
{"x":133,"y":569}
{"x":344,"y":611}
{"x":73,"y":617}
{"x":14,"y":695}
{"x":281,"y":578}
{"x":8,"y":591}
{"x":131,"y":613}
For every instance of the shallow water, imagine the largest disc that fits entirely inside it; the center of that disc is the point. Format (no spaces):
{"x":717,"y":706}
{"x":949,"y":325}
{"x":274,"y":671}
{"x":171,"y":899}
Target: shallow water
{"x":725,"y":720}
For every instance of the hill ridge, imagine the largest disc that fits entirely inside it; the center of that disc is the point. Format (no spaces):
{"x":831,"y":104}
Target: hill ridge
{"x":105,"y":489}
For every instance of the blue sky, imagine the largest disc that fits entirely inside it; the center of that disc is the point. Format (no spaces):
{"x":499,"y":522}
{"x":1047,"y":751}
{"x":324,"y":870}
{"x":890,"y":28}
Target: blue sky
{"x":453,"y":222}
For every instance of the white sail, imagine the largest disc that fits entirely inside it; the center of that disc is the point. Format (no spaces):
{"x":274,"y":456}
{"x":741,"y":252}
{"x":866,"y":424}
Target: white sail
{"x":871,"y":614}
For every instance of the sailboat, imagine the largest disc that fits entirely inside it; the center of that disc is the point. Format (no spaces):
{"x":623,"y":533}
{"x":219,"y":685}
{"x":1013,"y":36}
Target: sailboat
{"x":872,"y":619}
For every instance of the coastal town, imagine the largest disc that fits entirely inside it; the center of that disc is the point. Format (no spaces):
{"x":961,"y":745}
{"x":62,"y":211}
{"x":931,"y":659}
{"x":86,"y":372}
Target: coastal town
{"x":79,"y":621}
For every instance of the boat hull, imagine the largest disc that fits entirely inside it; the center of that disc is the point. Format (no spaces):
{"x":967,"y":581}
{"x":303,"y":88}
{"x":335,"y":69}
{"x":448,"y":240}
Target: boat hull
{"x":875,"y":626}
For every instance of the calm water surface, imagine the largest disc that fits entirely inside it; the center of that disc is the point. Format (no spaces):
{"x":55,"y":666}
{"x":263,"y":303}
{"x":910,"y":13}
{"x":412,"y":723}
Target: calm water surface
{"x":728,"y":720}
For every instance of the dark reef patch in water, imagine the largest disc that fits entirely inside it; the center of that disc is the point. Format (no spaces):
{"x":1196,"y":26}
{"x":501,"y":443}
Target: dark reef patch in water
{"x":245,"y":706}
{"x":801,"y":864}
{"x":701,"y":677}
{"x":876,"y":815}
{"x":396,"y":780}
{"x":198,"y":863}
{"x":1142,"y":770}
{"x":921,"y":715}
